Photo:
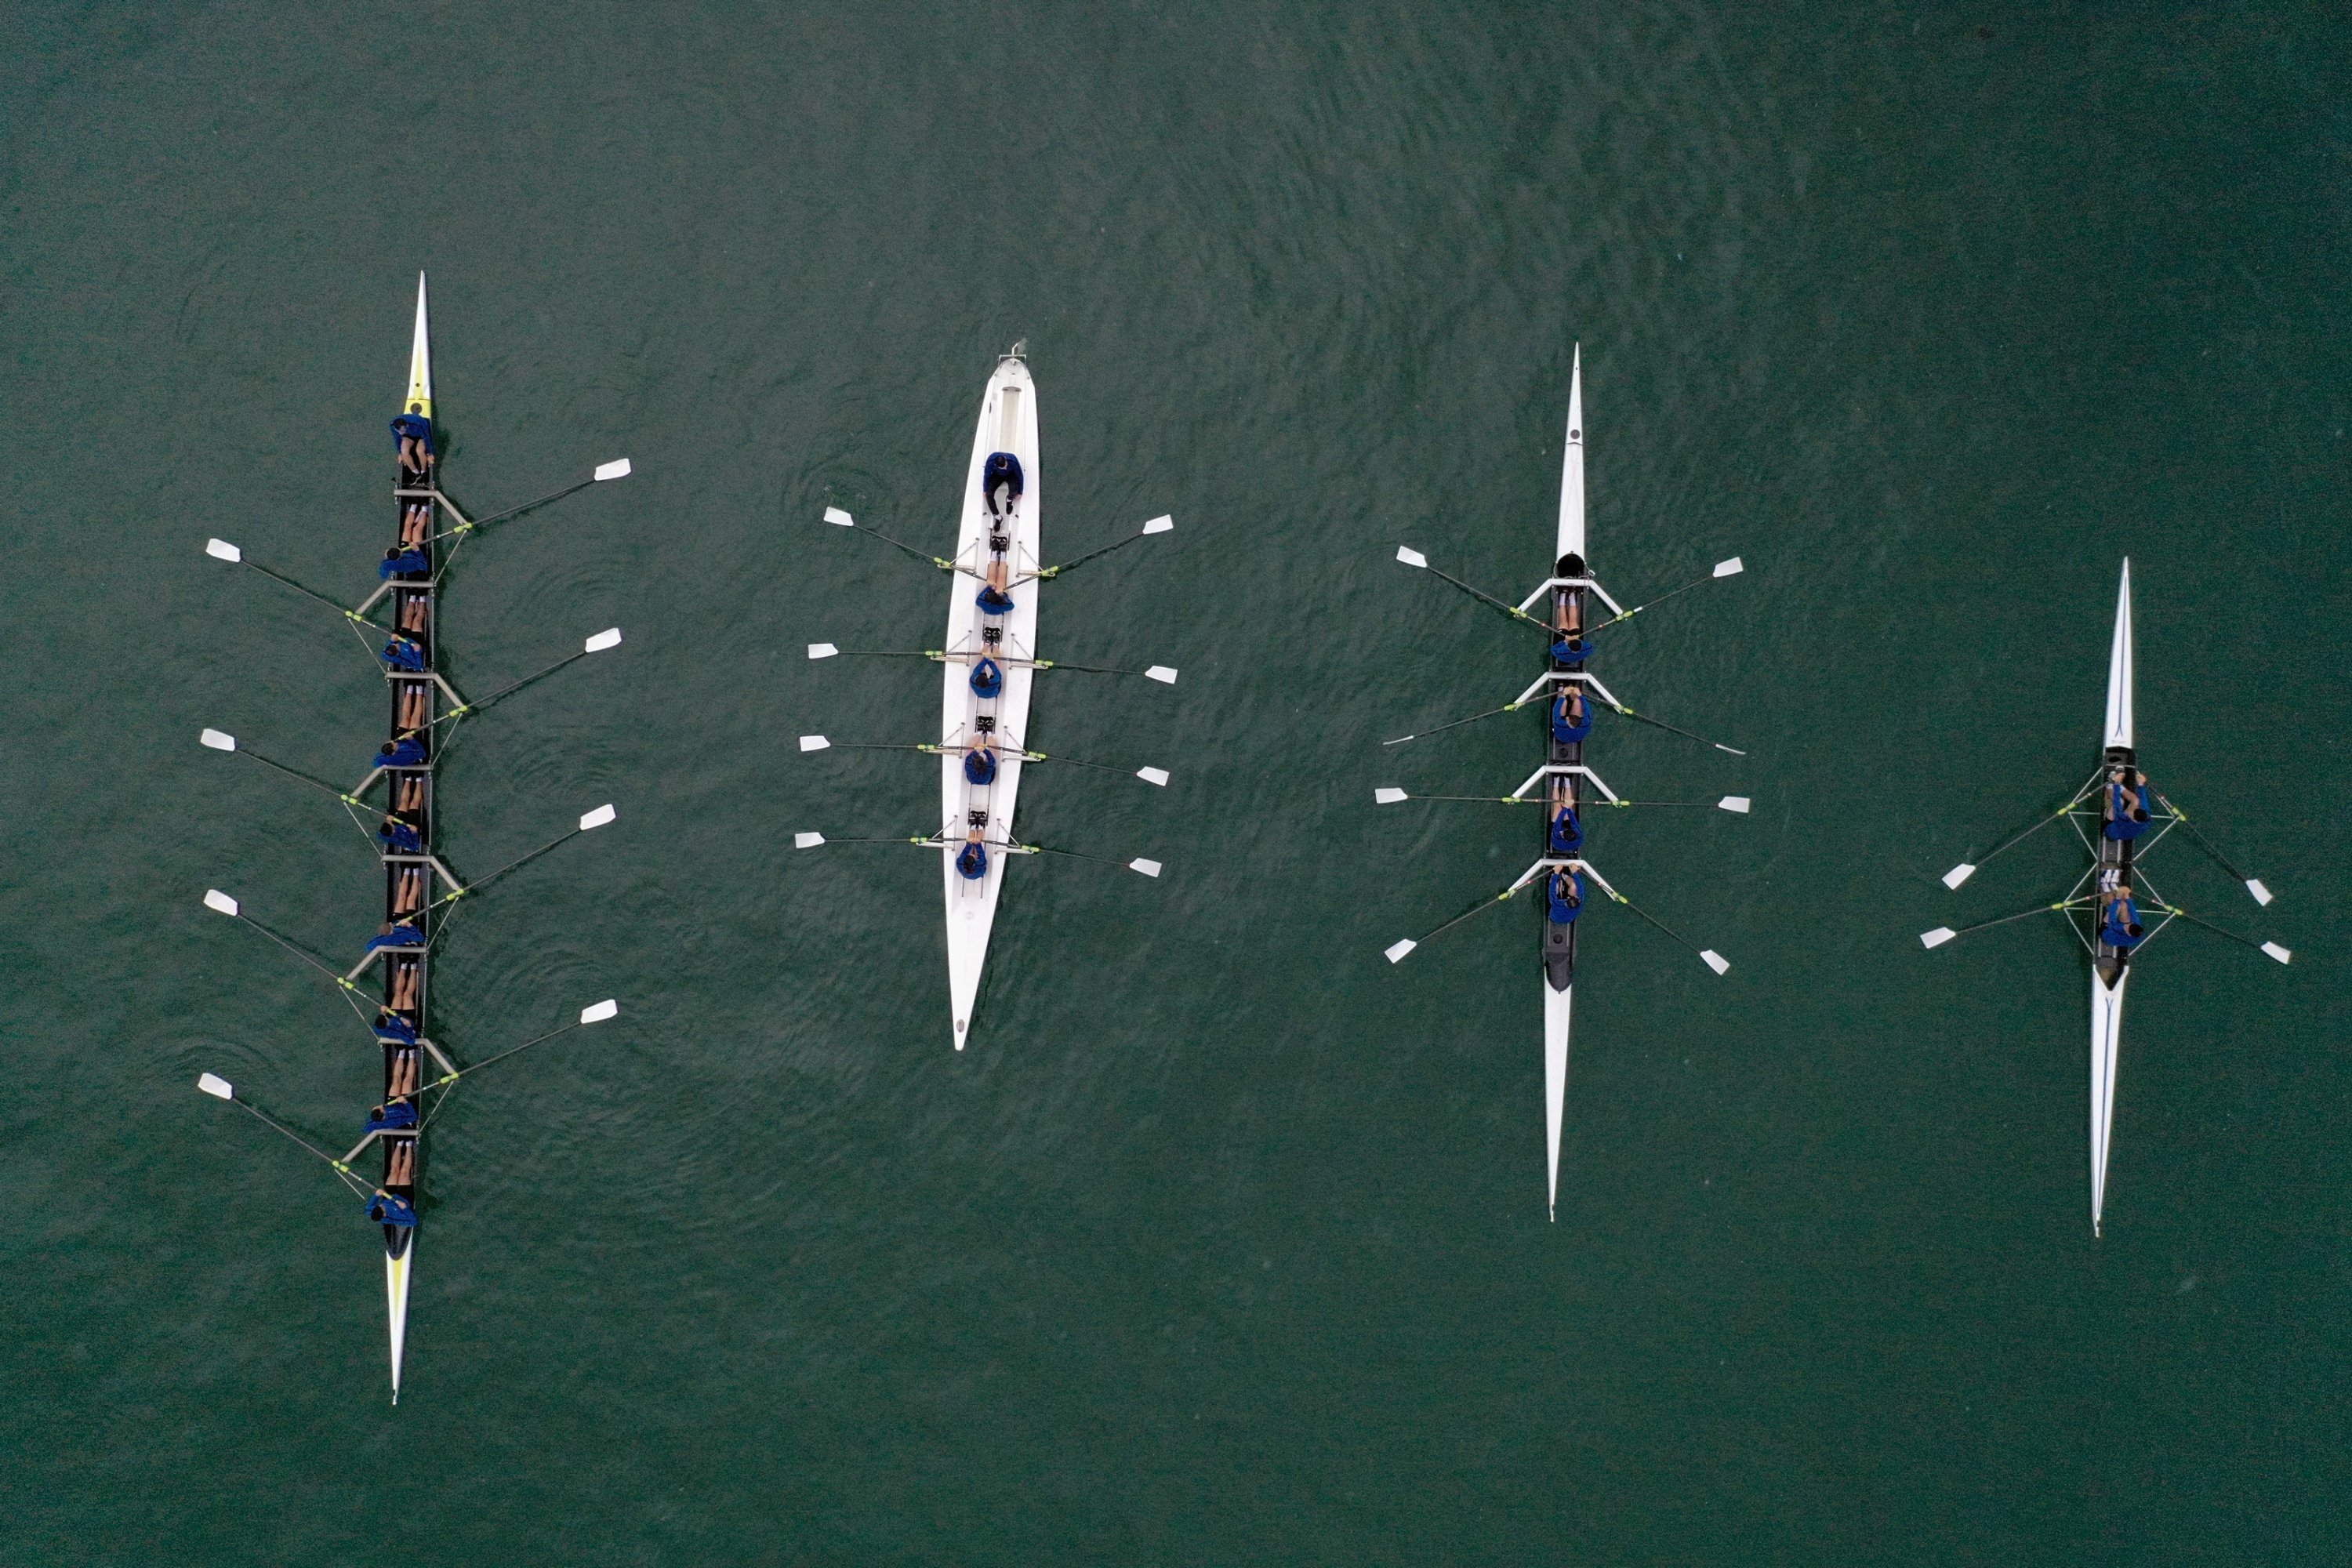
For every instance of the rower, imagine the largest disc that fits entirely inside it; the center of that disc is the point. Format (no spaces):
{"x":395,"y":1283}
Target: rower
{"x":1000,"y":483}
{"x":980,"y":763}
{"x":1563,"y":896}
{"x":393,"y":1116}
{"x":385,"y":1209}
{"x":403,"y":653}
{"x":412,"y":438}
{"x":399,"y":837}
{"x":994,"y":600}
{"x":1571,"y":646}
{"x":393,"y":1029}
{"x":971,"y":860}
{"x":1571,"y":716}
{"x":987,"y":678}
{"x":412,"y":561}
{"x":2126,"y":804}
{"x":405,"y":934}
{"x":2119,"y":924}
{"x":1567,"y":834}
{"x":408,"y":752}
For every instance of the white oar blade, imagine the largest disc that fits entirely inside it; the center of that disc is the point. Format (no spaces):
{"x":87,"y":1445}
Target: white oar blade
{"x":1395,"y":951}
{"x":838,"y":517}
{"x":618,"y":469}
{"x":807,"y":841}
{"x":221,"y":740}
{"x":1731,"y":568}
{"x":2275,"y":951}
{"x":1153,"y":777}
{"x":1715,"y":960}
{"x":596,"y":1013}
{"x":1958,"y":874}
{"x":1734,"y":803}
{"x":1161,"y":524}
{"x":597,"y":818}
{"x":216,"y":899}
{"x":607,"y":639}
{"x":1389,"y":794}
{"x":2263,"y":895}
{"x":1411,"y":557}
{"x":222,"y":550}
{"x":216,"y":1085}
{"x":1936,"y":938}
{"x":822,"y":651}
{"x":1148,"y":867}
{"x":1163,"y":673}
{"x":813,"y":743}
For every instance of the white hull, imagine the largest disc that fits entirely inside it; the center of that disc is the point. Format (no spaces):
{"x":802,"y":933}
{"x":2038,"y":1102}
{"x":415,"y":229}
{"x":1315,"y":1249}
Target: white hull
{"x":2106,"y":1041}
{"x":2119,"y":668}
{"x":420,"y":360}
{"x":1008,"y":423}
{"x":396,"y":1271}
{"x":1571,"y":463}
{"x":1556,"y":1010}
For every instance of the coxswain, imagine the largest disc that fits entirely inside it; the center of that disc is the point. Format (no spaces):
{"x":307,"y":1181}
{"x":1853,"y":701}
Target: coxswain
{"x":408,"y":752}
{"x":2126,"y":804}
{"x":1000,"y":481}
{"x":405,"y":934}
{"x":1563,"y":896}
{"x":2119,"y":924}
{"x":980,"y":763}
{"x":987,"y":678}
{"x":393,"y":1029}
{"x":393,"y":1116}
{"x":399,"y":837}
{"x":403,"y":653}
{"x":971,"y":860}
{"x":403,"y":563}
{"x":994,"y":600}
{"x":412,"y":438}
{"x":1571,"y":716}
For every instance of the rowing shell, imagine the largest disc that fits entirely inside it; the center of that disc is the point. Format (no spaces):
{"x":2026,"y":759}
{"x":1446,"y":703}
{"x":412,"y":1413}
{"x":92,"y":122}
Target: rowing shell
{"x":1559,"y":950}
{"x":2110,"y":966}
{"x":1008,"y":423}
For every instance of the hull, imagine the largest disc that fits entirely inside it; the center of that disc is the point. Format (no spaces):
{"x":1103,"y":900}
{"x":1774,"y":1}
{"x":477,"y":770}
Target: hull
{"x":1556,"y":1011}
{"x":2106,"y":1041}
{"x":420,"y":360}
{"x":395,"y":1293}
{"x":2119,"y":668}
{"x":1008,"y":423}
{"x":1571,"y":470}
{"x":1559,"y":942}
{"x":2110,"y":966}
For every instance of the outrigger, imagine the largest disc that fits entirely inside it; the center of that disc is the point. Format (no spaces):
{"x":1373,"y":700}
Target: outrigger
{"x":990,"y":660}
{"x":1565,"y":784}
{"x":2109,"y":905}
{"x":426,"y":711}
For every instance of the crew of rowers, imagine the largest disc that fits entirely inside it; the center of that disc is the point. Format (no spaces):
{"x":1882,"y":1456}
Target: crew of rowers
{"x":1000,"y":487}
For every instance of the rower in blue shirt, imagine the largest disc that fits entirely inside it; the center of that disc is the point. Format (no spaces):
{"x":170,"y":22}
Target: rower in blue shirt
{"x":980,"y":763}
{"x":2119,"y":925}
{"x":2126,"y":804}
{"x":1000,"y":483}
{"x":399,"y":563}
{"x":393,"y":1029}
{"x":393,"y":1116}
{"x":412,"y":438}
{"x":408,"y":752}
{"x":385,"y":1209}
{"x":1573,"y":648}
{"x":971,"y":860}
{"x":407,"y":933}
{"x":403,"y":653}
{"x":1571,"y":716}
{"x":987,"y":678}
{"x":994,"y":600}
{"x":1567,"y":834}
{"x":1563,"y":896}
{"x":399,"y":837}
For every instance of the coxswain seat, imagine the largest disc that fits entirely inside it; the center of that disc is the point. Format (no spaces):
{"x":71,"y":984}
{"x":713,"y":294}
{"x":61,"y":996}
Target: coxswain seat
{"x":1000,"y":481}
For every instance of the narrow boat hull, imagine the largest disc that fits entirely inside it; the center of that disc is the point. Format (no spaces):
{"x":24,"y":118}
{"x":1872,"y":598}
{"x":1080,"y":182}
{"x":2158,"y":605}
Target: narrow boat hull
{"x":396,"y":1291}
{"x":1556,"y":1012}
{"x":2106,"y":1043}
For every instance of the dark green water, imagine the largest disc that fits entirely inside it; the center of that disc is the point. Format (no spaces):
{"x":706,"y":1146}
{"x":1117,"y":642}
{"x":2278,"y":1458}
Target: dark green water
{"x":1226,"y":1242}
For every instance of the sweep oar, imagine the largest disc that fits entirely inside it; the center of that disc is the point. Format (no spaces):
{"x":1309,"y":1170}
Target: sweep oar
{"x":1731,"y":568}
{"x":1965,"y":869}
{"x":1161,"y":524}
{"x":588,"y":824}
{"x":2263,"y":895}
{"x":1163,"y":673}
{"x":1389,"y":794}
{"x":221,"y":903}
{"x":1414,"y":558}
{"x":222,"y":741}
{"x":595,"y":1012}
{"x":221,"y":1089}
{"x":1139,"y":866}
{"x":608,"y":638}
{"x":618,"y":469}
{"x":2268,"y":949}
{"x":823,"y":744}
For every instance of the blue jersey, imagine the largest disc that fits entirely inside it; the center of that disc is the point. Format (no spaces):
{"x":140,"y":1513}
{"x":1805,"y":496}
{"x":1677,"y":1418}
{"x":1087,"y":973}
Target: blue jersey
{"x":1565,"y":728}
{"x":402,"y":753}
{"x":412,"y":427}
{"x":972,"y":864}
{"x":385,"y":1209}
{"x":1567,"y":833}
{"x":987,"y":678}
{"x":1564,"y":897}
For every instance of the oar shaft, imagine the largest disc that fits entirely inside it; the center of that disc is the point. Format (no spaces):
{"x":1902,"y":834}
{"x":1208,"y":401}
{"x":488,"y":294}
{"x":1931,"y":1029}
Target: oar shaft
{"x":295,"y":774}
{"x":481,"y":523}
{"x":2182,"y":818}
{"x":1490,"y":713}
{"x":448,"y":1079}
{"x":308,"y":592}
{"x":1672,"y":729}
{"x":476,"y":886}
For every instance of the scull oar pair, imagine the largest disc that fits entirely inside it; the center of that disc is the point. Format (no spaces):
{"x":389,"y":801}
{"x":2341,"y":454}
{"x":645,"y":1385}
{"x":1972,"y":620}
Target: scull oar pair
{"x":991,"y":660}
{"x":426,"y":711}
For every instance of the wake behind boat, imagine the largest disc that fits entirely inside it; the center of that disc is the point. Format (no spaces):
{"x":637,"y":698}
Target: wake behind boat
{"x":2113,"y":907}
{"x":990,"y":660}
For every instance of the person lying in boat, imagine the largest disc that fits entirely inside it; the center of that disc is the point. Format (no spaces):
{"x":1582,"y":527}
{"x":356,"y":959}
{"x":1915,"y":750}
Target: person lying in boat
{"x":392,"y":1116}
{"x":2127,"y":803}
{"x":409,"y":563}
{"x":407,"y":978}
{"x":994,"y":600}
{"x":980,"y":763}
{"x":393,"y":1029}
{"x":987,"y":678}
{"x":412,"y":438}
{"x":971,"y":860}
{"x":399,"y":836}
{"x":1563,"y":896}
{"x":403,"y":653}
{"x":1571,"y":716}
{"x":2119,"y":924}
{"x":385,"y":1209}
{"x":406,"y":933}
{"x":1000,"y":481}
{"x":415,"y":522}
{"x":414,"y":700}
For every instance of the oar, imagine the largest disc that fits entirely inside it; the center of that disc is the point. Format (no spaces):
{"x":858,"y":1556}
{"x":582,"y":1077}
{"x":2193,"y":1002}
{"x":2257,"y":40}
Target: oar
{"x":1415,"y":559}
{"x":1395,"y":951}
{"x":1660,"y":723}
{"x":1161,"y":524}
{"x":595,"y":1012}
{"x":1389,"y":794}
{"x":222,"y":741}
{"x":821,"y":743}
{"x":2253,"y":884}
{"x":608,"y":638}
{"x":1942,"y":934}
{"x":1163,"y":673}
{"x":835,"y":515}
{"x":221,"y":1089}
{"x":1731,"y":568}
{"x":221,"y":903}
{"x":222,"y":550}
{"x":1490,"y":713}
{"x":1713,"y":959}
{"x":2269,"y":948}
{"x":618,"y":469}
{"x":1965,"y":869}
{"x":588,"y":824}
{"x":1140,"y":866}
